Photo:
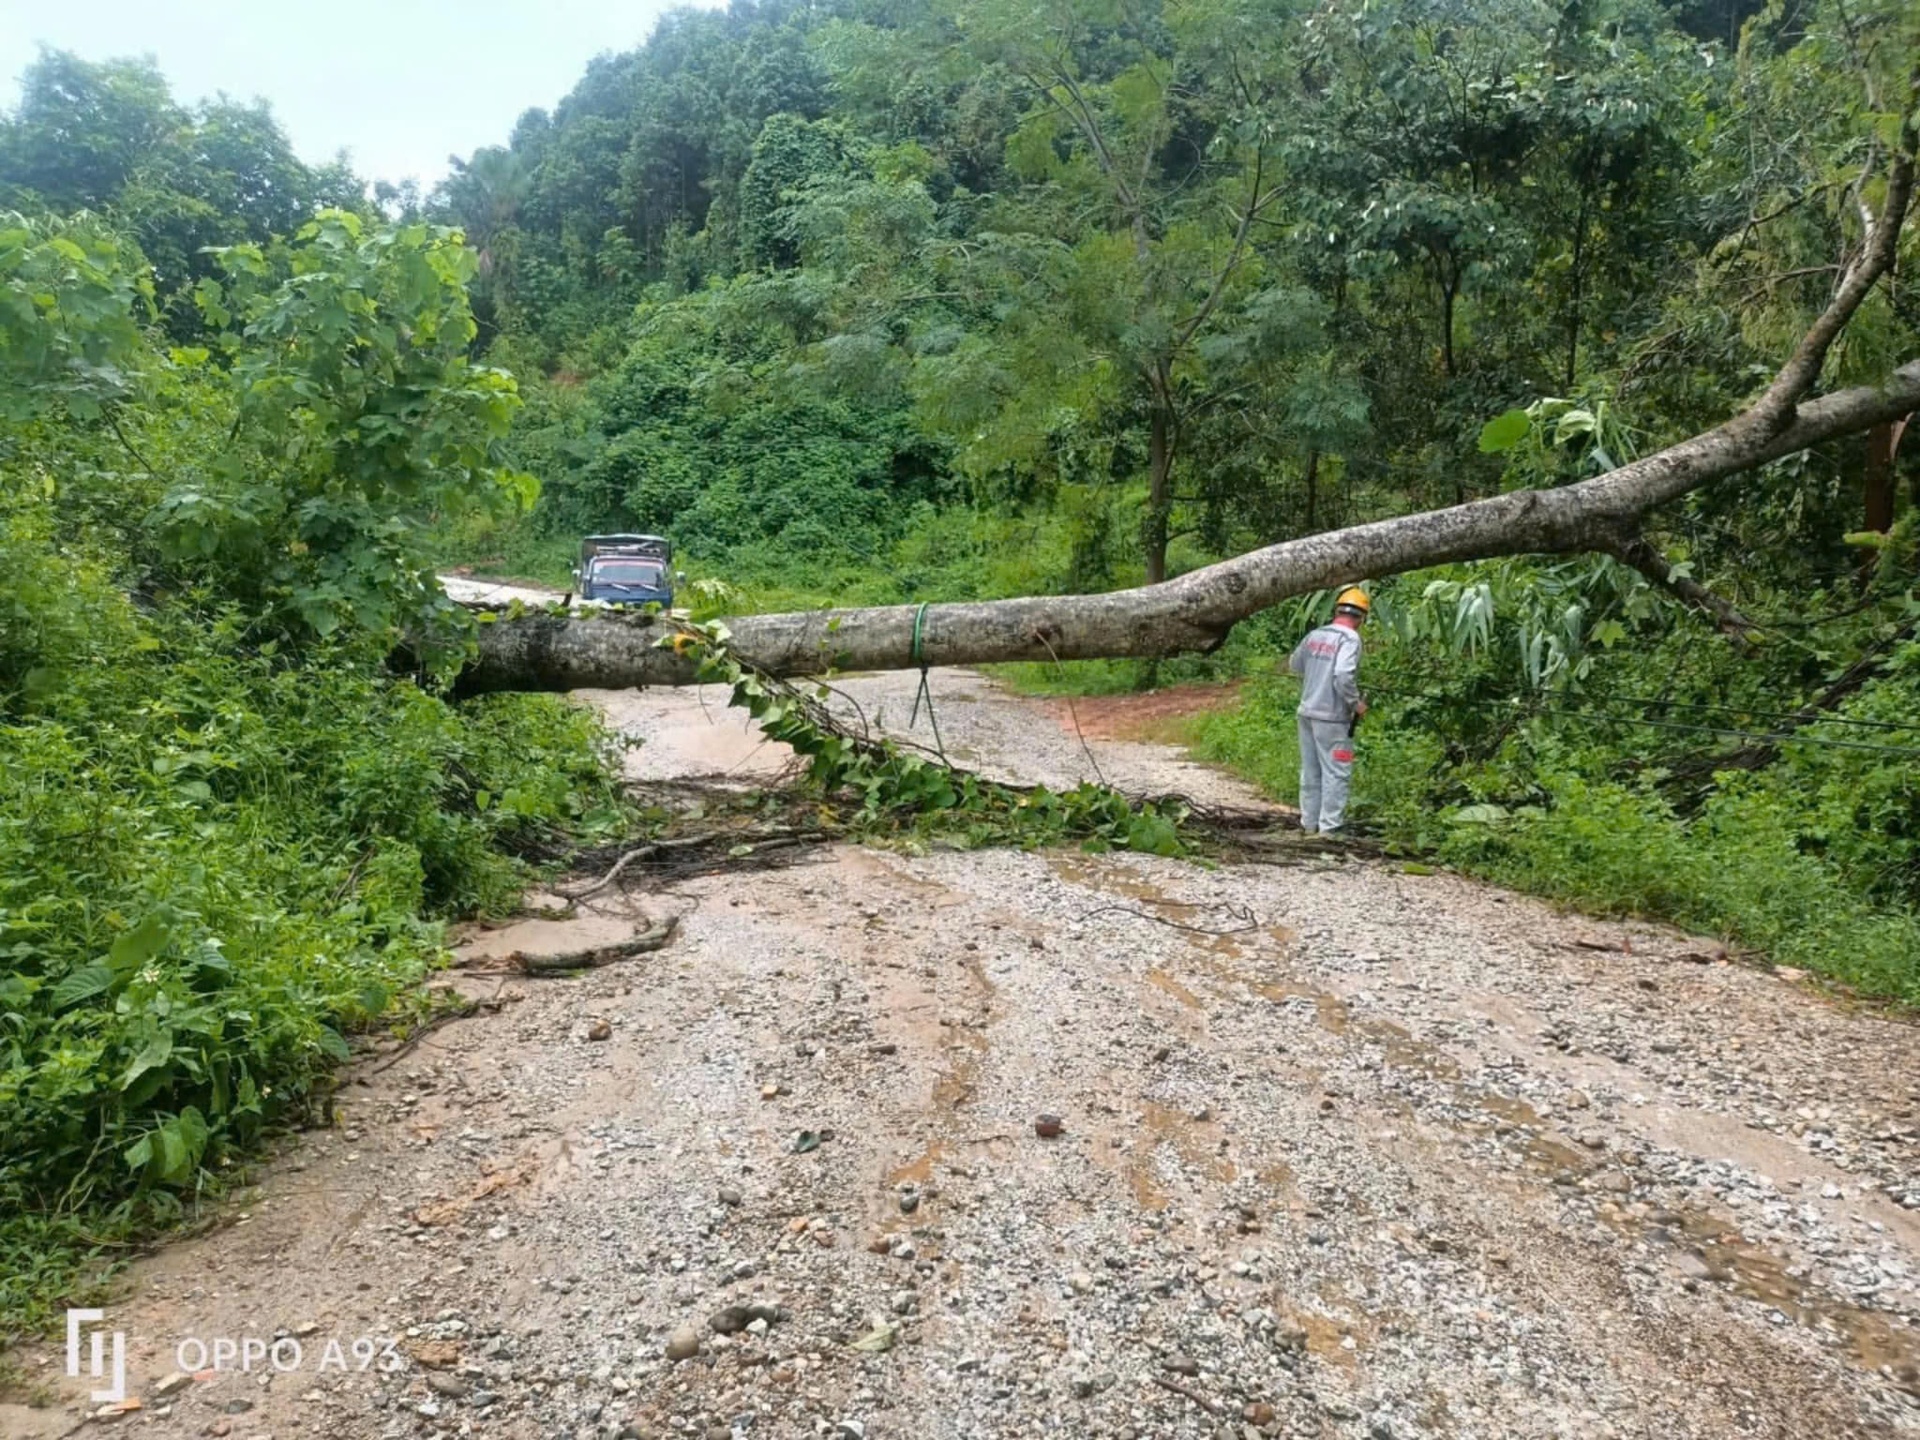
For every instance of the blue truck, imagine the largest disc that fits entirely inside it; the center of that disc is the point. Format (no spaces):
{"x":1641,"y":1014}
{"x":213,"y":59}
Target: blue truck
{"x":627,"y":570}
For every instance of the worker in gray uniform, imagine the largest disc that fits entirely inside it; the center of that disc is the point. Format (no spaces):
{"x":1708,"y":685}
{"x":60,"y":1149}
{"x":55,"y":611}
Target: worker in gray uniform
{"x":1328,"y":664}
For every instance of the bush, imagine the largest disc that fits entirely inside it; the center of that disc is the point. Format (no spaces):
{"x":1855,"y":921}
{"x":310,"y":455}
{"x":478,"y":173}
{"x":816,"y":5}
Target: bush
{"x":1533,"y":816}
{"x":215,"y":865}
{"x":228,"y":833}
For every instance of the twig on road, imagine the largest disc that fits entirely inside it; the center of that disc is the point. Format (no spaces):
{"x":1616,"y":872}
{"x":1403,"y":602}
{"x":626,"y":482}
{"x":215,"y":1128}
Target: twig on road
{"x":452,"y":1013}
{"x":652,"y":938}
{"x":581,"y":892}
{"x":1167,"y":1382}
{"x":1243,"y":913}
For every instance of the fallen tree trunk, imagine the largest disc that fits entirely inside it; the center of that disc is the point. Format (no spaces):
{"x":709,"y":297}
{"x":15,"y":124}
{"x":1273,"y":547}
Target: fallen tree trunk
{"x":1195,"y":612}
{"x":559,"y":652}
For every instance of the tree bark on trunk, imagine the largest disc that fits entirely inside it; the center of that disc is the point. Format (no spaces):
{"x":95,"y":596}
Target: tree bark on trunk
{"x":1881,"y":441}
{"x":556,"y":652}
{"x":1576,"y":277}
{"x":1158,"y":479}
{"x":1632,"y":548}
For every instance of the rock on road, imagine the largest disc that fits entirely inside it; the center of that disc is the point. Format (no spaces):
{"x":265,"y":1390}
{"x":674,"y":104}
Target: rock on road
{"x":1407,"y":1157}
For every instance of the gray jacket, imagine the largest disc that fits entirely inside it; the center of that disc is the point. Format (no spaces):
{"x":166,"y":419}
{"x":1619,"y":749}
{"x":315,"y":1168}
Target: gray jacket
{"x":1328,"y":664}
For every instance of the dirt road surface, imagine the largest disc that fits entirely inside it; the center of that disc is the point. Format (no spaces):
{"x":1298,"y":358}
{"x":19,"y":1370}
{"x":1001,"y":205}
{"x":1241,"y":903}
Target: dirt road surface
{"x":1343,"y":1151}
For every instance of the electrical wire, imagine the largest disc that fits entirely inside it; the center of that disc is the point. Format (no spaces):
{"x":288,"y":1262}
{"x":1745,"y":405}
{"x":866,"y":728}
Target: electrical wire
{"x":1606,"y":718}
{"x":1802,"y":717}
{"x":1758,"y":737}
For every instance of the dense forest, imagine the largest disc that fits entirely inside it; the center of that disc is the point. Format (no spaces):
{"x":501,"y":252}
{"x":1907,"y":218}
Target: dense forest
{"x":910,"y":302}
{"x":872,"y":301}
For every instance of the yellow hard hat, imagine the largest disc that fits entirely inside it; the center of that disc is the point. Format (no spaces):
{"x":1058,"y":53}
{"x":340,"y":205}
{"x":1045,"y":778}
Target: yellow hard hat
{"x":1353,"y":596}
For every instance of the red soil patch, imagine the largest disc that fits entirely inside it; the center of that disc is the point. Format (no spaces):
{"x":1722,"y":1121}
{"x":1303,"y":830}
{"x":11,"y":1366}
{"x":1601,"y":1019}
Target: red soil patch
{"x":1155,"y":715}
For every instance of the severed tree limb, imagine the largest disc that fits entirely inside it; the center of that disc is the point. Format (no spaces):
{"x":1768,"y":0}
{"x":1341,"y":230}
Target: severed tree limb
{"x":652,"y":938}
{"x":555,"y":652}
{"x":552,"y":651}
{"x":1633,"y":549}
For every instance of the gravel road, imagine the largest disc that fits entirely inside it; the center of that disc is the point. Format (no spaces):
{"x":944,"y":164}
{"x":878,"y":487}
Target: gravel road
{"x":1342,"y":1151}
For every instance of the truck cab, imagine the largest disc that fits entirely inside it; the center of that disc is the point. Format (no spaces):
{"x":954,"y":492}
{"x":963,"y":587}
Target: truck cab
{"x":626,"y":570}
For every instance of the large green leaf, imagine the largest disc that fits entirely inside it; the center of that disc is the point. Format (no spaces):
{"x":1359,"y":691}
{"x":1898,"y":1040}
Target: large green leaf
{"x":1505,"y":431}
{"x":95,"y":978}
{"x":155,"y":1052}
{"x":144,"y":941}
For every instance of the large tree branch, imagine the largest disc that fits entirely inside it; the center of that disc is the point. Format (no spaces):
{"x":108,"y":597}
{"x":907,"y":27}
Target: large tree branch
{"x":1879,"y":244}
{"x":1255,"y":204}
{"x":1194,"y":611}
{"x":1081,"y":113}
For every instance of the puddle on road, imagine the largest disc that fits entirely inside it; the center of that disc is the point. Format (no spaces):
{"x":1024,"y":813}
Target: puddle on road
{"x":890,"y":870}
{"x":957,"y":1033}
{"x":1103,"y":874}
{"x":919,"y":1170}
{"x":689,"y":731}
{"x":1100,"y":872}
{"x":536,"y":936}
{"x":1327,"y":1333}
{"x":968,"y":1045}
{"x":1871,"y":1337}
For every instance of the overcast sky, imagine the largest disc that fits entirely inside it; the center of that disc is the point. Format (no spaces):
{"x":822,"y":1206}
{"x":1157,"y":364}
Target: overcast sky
{"x":399,"y":84}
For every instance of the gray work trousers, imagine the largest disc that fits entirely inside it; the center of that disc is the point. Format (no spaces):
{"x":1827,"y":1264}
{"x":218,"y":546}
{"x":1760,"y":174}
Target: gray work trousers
{"x":1326,"y":769}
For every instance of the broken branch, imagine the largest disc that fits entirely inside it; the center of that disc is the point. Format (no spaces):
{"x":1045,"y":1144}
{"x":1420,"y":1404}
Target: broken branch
{"x":1633,"y":549}
{"x":1167,"y":1382}
{"x":652,"y":938}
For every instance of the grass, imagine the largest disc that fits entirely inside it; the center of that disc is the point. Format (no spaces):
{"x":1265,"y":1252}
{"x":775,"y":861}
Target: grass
{"x":1736,"y":869}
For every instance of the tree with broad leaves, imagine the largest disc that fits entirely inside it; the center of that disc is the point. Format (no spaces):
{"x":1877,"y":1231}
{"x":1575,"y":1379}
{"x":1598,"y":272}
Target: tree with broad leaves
{"x":1793,"y":410}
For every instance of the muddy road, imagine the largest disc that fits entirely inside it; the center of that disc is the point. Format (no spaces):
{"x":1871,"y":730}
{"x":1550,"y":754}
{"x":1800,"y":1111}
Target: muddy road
{"x":1343,"y":1151}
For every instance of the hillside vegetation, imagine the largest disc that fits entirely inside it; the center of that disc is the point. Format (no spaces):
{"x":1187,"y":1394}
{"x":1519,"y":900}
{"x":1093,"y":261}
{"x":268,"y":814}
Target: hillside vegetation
{"x":891,"y":300}
{"x":228,"y":835}
{"x":880,"y":303}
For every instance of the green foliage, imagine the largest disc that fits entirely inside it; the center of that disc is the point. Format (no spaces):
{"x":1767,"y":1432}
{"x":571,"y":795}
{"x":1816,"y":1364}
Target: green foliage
{"x":359,"y":420}
{"x":909,"y":302}
{"x":1511,"y":736}
{"x":790,"y":156}
{"x":70,"y":312}
{"x":895,"y":789}
{"x":228,"y":833}
{"x":991,"y":254}
{"x":1736,"y":869}
{"x":213,"y":867}
{"x":175,"y":180}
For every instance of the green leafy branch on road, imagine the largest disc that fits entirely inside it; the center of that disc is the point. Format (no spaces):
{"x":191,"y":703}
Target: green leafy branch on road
{"x":900,"y":790}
